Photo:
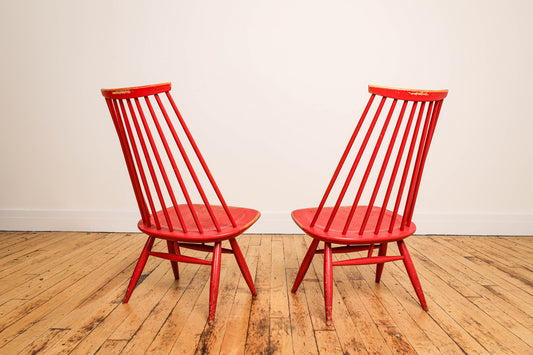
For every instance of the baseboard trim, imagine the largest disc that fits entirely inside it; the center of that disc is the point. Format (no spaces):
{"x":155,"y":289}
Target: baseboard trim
{"x":271,"y":222}
{"x":69,"y":220}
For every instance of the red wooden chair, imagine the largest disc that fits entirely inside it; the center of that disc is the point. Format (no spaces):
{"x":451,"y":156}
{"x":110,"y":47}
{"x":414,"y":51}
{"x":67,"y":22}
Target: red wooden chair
{"x":168,"y":173}
{"x":380,"y":187}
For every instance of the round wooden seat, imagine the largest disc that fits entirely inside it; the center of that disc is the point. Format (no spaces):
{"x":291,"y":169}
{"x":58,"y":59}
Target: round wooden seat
{"x":335,"y":234}
{"x":244,"y":218}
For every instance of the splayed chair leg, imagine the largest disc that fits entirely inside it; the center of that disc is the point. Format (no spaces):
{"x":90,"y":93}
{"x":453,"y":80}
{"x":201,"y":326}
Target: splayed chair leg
{"x":215,"y":279}
{"x":173,"y":249}
{"x":139,"y":268}
{"x":409,"y":266}
{"x":379,"y":268}
{"x":242,"y":265}
{"x":305,"y":264}
{"x":328,"y":282}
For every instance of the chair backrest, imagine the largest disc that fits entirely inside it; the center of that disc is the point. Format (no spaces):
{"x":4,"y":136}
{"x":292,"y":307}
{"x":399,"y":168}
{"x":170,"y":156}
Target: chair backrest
{"x":387,"y":172}
{"x":161,"y":156}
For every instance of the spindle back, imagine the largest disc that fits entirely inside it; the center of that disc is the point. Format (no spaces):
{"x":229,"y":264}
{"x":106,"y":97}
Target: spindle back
{"x":170,"y":178}
{"x":382,"y":164}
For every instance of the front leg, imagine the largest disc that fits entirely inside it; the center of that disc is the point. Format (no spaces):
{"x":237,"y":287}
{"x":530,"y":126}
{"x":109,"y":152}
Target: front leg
{"x":174,"y":249}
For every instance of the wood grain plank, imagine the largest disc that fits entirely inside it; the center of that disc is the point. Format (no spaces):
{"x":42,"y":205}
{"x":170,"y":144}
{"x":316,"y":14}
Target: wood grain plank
{"x":516,"y":319}
{"x":328,"y":343}
{"x":191,"y":338}
{"x":63,"y":300}
{"x":491,"y":267}
{"x":303,"y":337}
{"x":192,"y":282}
{"x":234,"y":340}
{"x":44,"y":249}
{"x":213,"y":336}
{"x":41,"y":275}
{"x":313,"y":288}
{"x":518,"y":294}
{"x":478,"y":290}
{"x":491,"y":334}
{"x":280,"y":323}
{"x":15,"y":241}
{"x":451,"y":326}
{"x":112,"y":346}
{"x":372,"y":339}
{"x":258,"y":339}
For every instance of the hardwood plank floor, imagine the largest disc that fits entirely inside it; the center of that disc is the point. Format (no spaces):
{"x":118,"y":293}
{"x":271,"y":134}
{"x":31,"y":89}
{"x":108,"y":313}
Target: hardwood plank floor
{"x":61,"y":293}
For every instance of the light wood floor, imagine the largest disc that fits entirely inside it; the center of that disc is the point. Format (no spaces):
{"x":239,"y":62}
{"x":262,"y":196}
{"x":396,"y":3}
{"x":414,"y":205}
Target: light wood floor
{"x":61,"y":293}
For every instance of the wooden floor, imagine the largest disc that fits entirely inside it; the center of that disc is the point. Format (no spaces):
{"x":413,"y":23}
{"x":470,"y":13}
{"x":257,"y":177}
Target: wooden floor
{"x":61,"y":293}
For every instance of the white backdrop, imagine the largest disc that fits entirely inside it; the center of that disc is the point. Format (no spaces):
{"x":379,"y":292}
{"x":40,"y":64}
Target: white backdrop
{"x":271,"y":90}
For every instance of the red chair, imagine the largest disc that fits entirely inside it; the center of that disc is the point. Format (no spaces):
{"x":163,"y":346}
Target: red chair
{"x":168,"y":173}
{"x":380,"y":187}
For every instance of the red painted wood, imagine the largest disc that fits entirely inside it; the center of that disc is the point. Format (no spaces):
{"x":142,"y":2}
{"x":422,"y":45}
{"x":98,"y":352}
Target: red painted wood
{"x":368,"y":260}
{"x":201,"y":159}
{"x":410,"y":267}
{"x":242,"y":265}
{"x":376,"y":189}
{"x":368,"y":170}
{"x":180,"y":258}
{"x":343,"y":159}
{"x":395,"y":172}
{"x":128,"y":158}
{"x":345,"y":249}
{"x":215,"y":278}
{"x":379,"y":266}
{"x":173,"y":249}
{"x":303,"y":218}
{"x":408,"y":94}
{"x":305,"y":264}
{"x":135,"y":92}
{"x":244,"y":218}
{"x":328,"y":282}
{"x":333,"y":213}
{"x":203,"y":247}
{"x":162,"y":157}
{"x":139,"y":267}
{"x":382,"y":173}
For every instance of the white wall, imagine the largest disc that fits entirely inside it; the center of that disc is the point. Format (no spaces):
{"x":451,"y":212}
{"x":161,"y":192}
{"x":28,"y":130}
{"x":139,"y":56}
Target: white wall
{"x":271,"y":90}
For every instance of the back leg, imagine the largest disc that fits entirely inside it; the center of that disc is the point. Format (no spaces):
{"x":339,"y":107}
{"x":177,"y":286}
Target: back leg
{"x":379,"y":268}
{"x":139,"y":267}
{"x":305,"y":264}
{"x":328,"y":282}
{"x":409,"y":266}
{"x":242,"y":265}
{"x":174,"y":249}
{"x":215,"y":280}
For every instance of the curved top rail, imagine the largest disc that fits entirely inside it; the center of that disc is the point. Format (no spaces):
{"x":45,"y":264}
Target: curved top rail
{"x":136,"y":91}
{"x":408,"y":94}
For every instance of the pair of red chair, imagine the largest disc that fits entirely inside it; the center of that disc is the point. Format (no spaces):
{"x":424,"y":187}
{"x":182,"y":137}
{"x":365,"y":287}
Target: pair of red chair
{"x":173,"y":186}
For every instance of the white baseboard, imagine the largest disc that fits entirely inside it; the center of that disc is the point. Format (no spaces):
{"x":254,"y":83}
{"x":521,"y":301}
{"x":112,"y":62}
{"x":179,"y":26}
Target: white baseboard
{"x":69,"y":220}
{"x":511,"y":224}
{"x":271,"y":222}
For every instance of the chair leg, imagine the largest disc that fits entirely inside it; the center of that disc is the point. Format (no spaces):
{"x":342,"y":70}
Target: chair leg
{"x":379,"y":268}
{"x":242,"y":265}
{"x":139,"y":268}
{"x":173,"y":249}
{"x":305,"y":265}
{"x":328,"y":282}
{"x":409,"y":266}
{"x":215,"y":279}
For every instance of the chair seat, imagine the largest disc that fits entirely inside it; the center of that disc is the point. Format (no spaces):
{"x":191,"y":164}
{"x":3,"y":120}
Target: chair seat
{"x":304,"y":217}
{"x":244,"y":218}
